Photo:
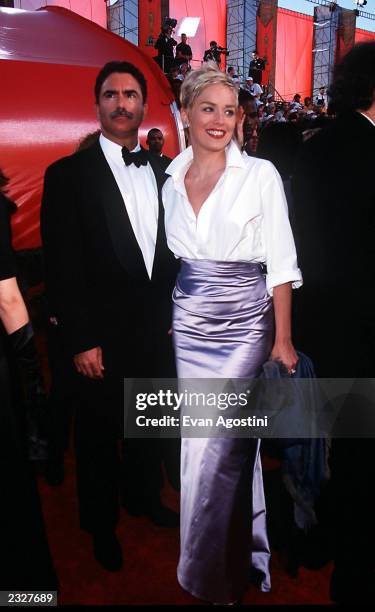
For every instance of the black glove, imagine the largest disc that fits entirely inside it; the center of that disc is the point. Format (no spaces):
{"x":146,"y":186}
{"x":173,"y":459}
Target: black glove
{"x":23,"y":346}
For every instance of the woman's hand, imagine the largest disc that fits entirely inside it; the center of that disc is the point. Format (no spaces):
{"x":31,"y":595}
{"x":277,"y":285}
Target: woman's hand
{"x":284,"y":351}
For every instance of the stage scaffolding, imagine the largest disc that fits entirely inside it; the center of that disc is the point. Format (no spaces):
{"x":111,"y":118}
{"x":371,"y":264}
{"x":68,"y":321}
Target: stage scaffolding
{"x":326,"y":24}
{"x":122,"y":19}
{"x":241,"y":34}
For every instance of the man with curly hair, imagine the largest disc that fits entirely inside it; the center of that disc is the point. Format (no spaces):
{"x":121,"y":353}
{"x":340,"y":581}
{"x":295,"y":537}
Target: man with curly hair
{"x":335,"y":222}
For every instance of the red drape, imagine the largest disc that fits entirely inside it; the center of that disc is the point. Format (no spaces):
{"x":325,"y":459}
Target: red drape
{"x":149,"y":22}
{"x":346,"y":33}
{"x":266,"y":37}
{"x":364,"y":36}
{"x":293,"y":53}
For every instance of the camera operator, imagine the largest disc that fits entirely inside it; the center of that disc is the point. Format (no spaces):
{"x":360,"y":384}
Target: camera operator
{"x":214,"y":53}
{"x":164,"y":45}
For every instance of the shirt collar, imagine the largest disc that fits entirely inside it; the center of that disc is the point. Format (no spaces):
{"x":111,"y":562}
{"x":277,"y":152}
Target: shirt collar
{"x":180,"y":165}
{"x":114,"y":150}
{"x":367,"y":117}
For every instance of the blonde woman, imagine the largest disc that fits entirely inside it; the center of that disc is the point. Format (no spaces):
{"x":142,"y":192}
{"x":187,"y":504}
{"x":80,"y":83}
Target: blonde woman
{"x":225,"y":216}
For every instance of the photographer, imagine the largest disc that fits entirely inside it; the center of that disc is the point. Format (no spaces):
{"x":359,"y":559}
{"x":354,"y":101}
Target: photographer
{"x":165,"y":45}
{"x":214,"y":53}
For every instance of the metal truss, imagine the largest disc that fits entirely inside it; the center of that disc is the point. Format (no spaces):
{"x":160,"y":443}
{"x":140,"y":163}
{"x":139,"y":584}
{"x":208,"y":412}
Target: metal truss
{"x":122,"y":19}
{"x":326,"y":24}
{"x":241,"y":33}
{"x":330,"y":3}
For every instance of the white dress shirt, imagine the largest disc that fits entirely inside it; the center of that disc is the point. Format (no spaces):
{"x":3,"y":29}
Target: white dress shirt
{"x":245,"y":217}
{"x":140,"y":194}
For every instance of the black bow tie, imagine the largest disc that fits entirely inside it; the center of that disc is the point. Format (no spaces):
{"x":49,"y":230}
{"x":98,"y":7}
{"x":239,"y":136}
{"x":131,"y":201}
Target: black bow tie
{"x":138,"y":158}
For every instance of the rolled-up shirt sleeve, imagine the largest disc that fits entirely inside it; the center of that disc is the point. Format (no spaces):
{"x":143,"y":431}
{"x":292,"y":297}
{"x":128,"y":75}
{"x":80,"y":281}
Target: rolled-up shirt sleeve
{"x":281,"y":256}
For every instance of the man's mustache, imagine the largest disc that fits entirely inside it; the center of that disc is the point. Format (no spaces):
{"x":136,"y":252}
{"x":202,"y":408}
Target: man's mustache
{"x":121,"y":112}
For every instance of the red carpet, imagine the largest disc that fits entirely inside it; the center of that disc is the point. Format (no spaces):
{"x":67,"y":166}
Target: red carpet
{"x":151,"y":553}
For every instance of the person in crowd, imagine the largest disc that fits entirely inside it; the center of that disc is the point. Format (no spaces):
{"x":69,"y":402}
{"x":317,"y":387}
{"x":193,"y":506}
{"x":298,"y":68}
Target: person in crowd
{"x":173,"y":73}
{"x":307,"y":104}
{"x":184,"y":54}
{"x":296,"y":103}
{"x":248,"y":139}
{"x":254,"y":88}
{"x":335,"y":218}
{"x":109,"y":276}
{"x":165,"y":45}
{"x":321,"y":99}
{"x":223,"y":321}
{"x":184,"y":68}
{"x":155,"y":143}
{"x":232,"y":74}
{"x":25,"y":557}
{"x":256,"y":67}
{"x":214,"y":53}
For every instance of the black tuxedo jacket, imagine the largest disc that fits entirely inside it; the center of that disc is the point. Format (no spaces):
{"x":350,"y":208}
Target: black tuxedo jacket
{"x":96,"y":279}
{"x":334,"y":209}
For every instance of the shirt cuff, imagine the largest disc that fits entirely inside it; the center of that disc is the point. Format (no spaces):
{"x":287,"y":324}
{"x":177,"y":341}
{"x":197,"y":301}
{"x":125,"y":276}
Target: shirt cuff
{"x":279,"y":278}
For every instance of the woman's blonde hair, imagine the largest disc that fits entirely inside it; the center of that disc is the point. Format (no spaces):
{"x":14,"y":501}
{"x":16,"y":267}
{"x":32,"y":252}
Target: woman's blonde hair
{"x":197,"y":80}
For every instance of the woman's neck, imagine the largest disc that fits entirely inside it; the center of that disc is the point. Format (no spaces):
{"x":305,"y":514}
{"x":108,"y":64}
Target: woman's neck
{"x":206,"y":163}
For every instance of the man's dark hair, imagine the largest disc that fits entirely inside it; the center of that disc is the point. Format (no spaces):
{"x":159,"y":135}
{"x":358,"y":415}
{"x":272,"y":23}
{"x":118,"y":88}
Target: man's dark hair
{"x":153,"y":131}
{"x":243,"y":97}
{"x":353,"y":84}
{"x":125,"y":68}
{"x":213,"y":43}
{"x":3,"y":180}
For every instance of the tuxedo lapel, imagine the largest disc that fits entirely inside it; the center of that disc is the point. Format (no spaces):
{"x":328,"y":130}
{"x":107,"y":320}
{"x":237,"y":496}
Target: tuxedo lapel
{"x":120,"y":229}
{"x":164,"y":260}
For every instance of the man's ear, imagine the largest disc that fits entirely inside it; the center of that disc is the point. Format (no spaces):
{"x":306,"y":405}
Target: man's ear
{"x":97,"y":111}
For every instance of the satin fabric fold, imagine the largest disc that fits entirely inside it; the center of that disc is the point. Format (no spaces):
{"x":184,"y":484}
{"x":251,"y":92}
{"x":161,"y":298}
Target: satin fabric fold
{"x":222,"y":328}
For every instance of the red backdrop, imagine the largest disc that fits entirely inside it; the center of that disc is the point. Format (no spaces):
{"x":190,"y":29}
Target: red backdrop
{"x":364,"y":36}
{"x":149,"y":22}
{"x":293,"y":53}
{"x":47,"y":70}
{"x":266,"y":37}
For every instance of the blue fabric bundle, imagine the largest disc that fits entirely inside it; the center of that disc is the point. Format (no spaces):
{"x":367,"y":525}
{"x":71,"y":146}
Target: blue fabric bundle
{"x":304,"y":459}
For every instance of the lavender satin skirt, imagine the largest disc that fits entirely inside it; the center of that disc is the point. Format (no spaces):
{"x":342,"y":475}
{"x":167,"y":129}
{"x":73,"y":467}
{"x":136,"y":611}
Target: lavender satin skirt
{"x":222,"y":328}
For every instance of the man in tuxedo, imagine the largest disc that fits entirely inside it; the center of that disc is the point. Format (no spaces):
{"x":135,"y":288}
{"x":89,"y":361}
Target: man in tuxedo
{"x":334,"y":208}
{"x":155,"y":143}
{"x":256,"y":67}
{"x":110,"y":275}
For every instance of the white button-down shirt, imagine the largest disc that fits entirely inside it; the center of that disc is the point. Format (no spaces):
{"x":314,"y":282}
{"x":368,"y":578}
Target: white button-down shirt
{"x":245,"y":217}
{"x":140,"y":194}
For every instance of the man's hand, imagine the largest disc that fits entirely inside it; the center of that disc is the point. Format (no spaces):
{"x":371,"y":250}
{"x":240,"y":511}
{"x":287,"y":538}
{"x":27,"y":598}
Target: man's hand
{"x":90,"y":363}
{"x":238,"y":132}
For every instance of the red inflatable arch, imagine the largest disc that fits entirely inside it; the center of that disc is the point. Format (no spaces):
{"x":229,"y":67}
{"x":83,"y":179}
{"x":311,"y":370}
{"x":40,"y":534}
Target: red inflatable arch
{"x":49,"y":60}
